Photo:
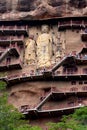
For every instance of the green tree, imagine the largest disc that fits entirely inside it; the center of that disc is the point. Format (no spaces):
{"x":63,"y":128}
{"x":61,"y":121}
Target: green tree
{"x":2,"y":85}
{"x":81,"y":115}
{"x":28,"y":127}
{"x":75,"y":121}
{"x":10,"y":118}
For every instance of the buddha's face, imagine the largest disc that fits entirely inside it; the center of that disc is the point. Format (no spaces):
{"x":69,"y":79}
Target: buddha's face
{"x":45,"y":29}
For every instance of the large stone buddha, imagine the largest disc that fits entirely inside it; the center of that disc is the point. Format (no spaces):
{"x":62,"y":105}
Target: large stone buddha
{"x":44,"y":47}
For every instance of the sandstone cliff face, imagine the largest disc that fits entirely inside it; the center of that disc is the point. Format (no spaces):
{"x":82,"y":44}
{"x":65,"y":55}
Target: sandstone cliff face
{"x":39,"y":9}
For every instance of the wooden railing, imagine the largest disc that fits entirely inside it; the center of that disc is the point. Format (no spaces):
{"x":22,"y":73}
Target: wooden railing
{"x":72,"y":23}
{"x":15,"y":28}
{"x":78,"y":73}
{"x":12,"y":38}
{"x":11,"y":63}
{"x":70,"y":104}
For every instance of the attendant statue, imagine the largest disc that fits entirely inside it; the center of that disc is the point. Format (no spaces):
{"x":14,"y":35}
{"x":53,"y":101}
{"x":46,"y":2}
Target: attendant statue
{"x":30,"y":54}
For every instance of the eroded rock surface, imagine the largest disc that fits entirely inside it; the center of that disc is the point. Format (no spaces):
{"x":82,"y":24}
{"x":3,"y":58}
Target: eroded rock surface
{"x":3,"y":6}
{"x":78,"y":3}
{"x":39,"y":9}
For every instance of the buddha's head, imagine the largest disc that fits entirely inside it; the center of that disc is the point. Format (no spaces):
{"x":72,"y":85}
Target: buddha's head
{"x":44,"y":28}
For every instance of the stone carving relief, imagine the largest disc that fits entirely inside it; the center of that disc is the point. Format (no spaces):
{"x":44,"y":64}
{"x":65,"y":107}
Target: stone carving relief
{"x":30,"y":51}
{"x":60,"y":47}
{"x":44,"y":47}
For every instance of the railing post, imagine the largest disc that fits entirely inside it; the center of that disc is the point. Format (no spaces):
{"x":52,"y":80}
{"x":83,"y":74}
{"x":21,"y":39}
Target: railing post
{"x":15,"y":27}
{"x":26,"y":27}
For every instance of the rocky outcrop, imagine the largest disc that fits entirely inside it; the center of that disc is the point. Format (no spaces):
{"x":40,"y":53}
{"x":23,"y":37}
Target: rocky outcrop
{"x":3,"y":6}
{"x":24,"y":5}
{"x":39,"y":9}
{"x":55,"y":3}
{"x":78,"y":3}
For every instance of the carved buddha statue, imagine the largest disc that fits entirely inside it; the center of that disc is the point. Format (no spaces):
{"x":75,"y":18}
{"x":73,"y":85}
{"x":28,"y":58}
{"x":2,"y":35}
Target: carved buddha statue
{"x":30,"y":50}
{"x":44,"y":47}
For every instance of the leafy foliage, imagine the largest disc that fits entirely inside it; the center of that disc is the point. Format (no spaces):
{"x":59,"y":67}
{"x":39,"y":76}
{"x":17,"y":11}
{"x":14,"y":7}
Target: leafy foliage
{"x":28,"y":127}
{"x":76,"y":121}
{"x":10,"y":118}
{"x":81,"y":115}
{"x":2,"y":85}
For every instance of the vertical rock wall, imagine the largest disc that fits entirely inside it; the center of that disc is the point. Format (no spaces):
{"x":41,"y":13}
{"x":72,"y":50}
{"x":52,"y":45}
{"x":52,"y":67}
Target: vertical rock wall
{"x":39,"y":9}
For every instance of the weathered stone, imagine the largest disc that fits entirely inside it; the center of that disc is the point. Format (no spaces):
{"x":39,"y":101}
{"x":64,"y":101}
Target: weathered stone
{"x":55,"y":2}
{"x":39,"y":9}
{"x":27,"y":5}
{"x":23,"y":5}
{"x":78,"y":3}
{"x":3,"y":7}
{"x":44,"y":47}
